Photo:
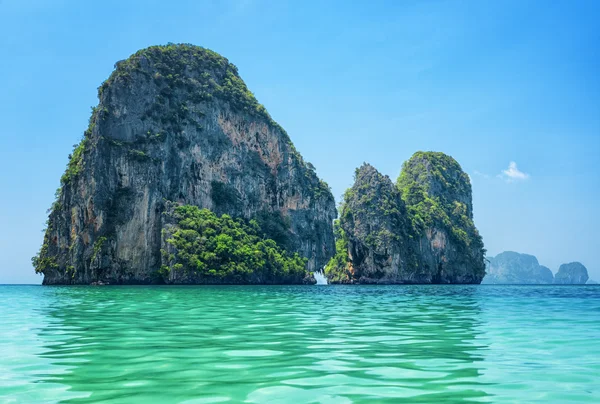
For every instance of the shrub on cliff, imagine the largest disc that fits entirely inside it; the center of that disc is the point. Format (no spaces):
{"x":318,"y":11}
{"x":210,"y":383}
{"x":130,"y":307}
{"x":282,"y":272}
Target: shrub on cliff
{"x":228,"y":249}
{"x":338,"y":269}
{"x":176,"y":123}
{"x":437,"y":192}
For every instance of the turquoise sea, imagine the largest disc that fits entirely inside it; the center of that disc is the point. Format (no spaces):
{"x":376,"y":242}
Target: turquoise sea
{"x":300,"y":344}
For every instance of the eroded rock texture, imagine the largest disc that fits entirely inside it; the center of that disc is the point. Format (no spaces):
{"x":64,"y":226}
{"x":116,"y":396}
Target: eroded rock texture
{"x":177,"y":124}
{"x":418,"y":231}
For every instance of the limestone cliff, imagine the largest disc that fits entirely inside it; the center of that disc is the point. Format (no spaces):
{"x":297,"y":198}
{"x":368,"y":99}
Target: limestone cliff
{"x":513,"y":268}
{"x":438,"y":197}
{"x":376,"y":231}
{"x":177,"y":124}
{"x":418,"y":231}
{"x":572,"y":273}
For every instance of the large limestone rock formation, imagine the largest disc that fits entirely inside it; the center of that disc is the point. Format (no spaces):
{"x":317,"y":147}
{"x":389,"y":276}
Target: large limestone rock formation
{"x":419,"y":231}
{"x":177,"y":124}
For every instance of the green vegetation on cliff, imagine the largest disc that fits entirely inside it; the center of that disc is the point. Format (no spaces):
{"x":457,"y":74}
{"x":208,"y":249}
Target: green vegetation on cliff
{"x":203,"y":76}
{"x":203,"y":72}
{"x":169,"y":117}
{"x":338,"y":269}
{"x":420,"y":230}
{"x":227,"y":249}
{"x":372,"y":227}
{"x":373,"y":196}
{"x":437,"y":192}
{"x":41,"y":261}
{"x":75,"y":164}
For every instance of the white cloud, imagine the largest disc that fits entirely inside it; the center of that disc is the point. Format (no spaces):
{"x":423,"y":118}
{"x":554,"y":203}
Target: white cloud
{"x":512,"y":173}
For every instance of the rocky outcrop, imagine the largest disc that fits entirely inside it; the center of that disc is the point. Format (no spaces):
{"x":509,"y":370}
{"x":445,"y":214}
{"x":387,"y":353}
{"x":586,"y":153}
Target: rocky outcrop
{"x":438,"y":196}
{"x":418,"y":231}
{"x":513,"y":268}
{"x":573,"y":273}
{"x":177,"y":124}
{"x":376,"y":231}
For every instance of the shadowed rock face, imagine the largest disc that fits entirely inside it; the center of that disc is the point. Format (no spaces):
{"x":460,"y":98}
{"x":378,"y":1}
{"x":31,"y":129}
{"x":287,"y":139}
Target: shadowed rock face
{"x":572,"y":273}
{"x":377,"y":228}
{"x":513,"y":268}
{"x":177,"y":124}
{"x":418,"y":231}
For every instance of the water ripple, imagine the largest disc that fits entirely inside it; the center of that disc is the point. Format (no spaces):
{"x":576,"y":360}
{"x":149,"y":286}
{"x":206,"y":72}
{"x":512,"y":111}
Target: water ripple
{"x":329,"y":344}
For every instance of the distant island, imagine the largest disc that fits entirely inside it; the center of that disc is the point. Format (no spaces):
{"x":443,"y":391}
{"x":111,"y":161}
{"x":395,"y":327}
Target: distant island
{"x":571,"y":273}
{"x":511,"y":267}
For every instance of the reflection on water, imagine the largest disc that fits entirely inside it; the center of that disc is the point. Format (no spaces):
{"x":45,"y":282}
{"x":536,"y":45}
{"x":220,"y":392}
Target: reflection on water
{"x":300,"y":344}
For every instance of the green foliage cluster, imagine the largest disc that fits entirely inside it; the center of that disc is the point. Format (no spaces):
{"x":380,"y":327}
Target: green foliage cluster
{"x":235,"y":91}
{"x":338,"y":268}
{"x":41,"y":261}
{"x":138,"y":154}
{"x":319,"y":187}
{"x":75,"y":164}
{"x":432,"y":186}
{"x":97,"y":248}
{"x":374,"y":197}
{"x":322,"y":190}
{"x":436,"y":173}
{"x":135,"y":148}
{"x":228,"y":250}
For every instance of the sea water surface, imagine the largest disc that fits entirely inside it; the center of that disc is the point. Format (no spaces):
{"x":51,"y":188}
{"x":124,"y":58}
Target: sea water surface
{"x":300,"y":344}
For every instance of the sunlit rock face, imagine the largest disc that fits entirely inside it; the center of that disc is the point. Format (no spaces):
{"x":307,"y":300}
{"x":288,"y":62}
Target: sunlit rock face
{"x":177,"y":124}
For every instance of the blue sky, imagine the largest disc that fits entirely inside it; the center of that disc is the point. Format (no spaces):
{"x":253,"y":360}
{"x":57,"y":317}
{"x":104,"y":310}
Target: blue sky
{"x":489,"y":83}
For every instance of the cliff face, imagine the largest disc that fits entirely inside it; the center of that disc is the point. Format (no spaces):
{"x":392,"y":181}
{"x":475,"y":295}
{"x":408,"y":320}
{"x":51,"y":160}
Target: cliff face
{"x":572,"y":273}
{"x":375,"y":224}
{"x":176,"y":123}
{"x":513,"y":268}
{"x":438,"y":196}
{"x":419,"y":231}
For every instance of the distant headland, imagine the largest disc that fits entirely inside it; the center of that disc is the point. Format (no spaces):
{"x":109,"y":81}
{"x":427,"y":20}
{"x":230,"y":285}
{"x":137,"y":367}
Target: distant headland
{"x":511,"y":267}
